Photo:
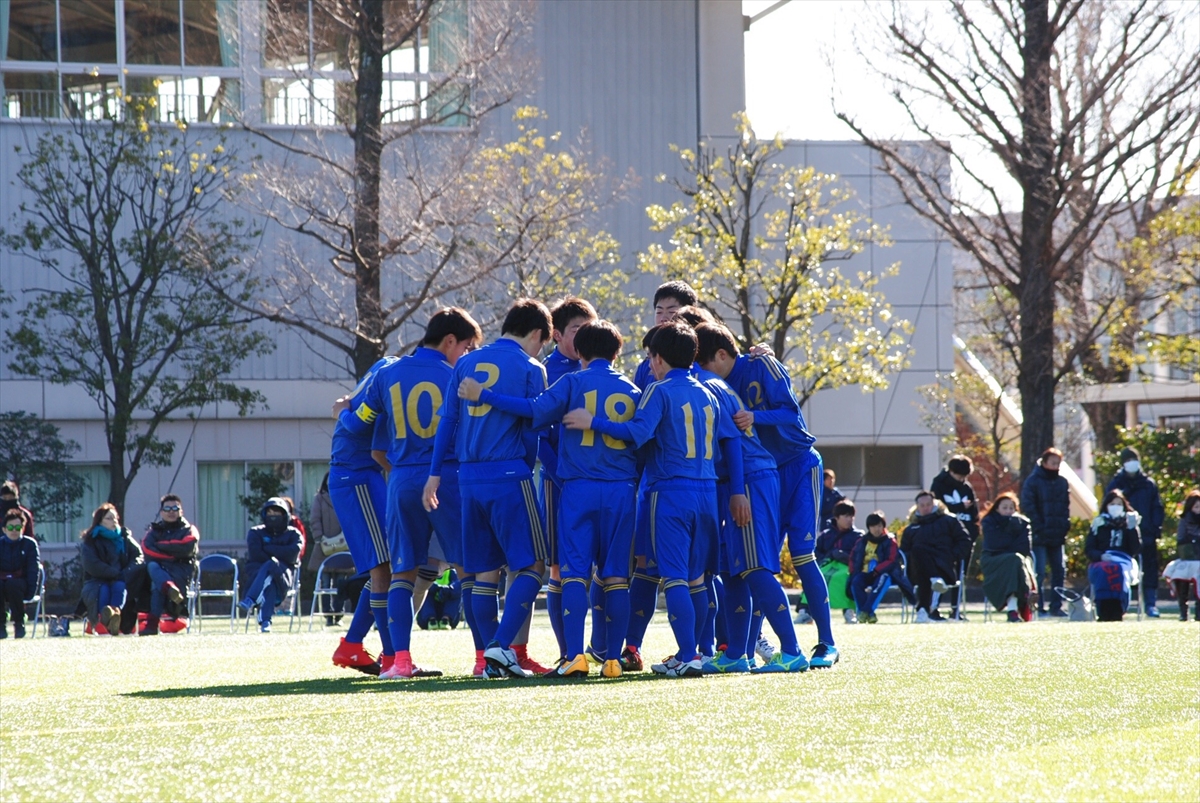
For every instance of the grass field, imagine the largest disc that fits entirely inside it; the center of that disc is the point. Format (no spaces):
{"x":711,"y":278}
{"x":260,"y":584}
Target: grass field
{"x":1048,"y":710}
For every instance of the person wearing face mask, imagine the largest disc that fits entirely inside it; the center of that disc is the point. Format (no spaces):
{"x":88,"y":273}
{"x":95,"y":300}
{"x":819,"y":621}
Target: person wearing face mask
{"x":109,"y":555}
{"x":1142,"y":493}
{"x":1046,"y":500}
{"x":19,"y":556}
{"x":1008,"y":577}
{"x":874,"y":561}
{"x":1184,"y":571}
{"x":1110,"y":547}
{"x":274,"y":548}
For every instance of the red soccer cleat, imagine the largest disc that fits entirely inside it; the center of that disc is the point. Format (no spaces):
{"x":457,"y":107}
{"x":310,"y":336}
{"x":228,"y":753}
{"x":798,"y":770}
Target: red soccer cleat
{"x":354,"y":656}
{"x":527,"y":663}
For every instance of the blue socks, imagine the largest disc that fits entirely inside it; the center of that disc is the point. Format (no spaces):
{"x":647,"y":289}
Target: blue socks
{"x":485,"y":599}
{"x":400,"y":613}
{"x":682,"y":617}
{"x":518,"y":604}
{"x":643,"y":598}
{"x":467,"y":586}
{"x":770,"y":599}
{"x":817,"y":594}
{"x":596,"y":598}
{"x":364,"y":617}
{"x":574,"y":614}
{"x":616,"y":614}
{"x":379,"y":608}
{"x":737,"y":597}
{"x":554,"y":607}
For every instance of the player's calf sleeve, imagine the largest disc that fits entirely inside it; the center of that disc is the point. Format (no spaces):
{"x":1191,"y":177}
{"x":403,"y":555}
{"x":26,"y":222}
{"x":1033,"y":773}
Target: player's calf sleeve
{"x":596,"y":597}
{"x":400,"y":613}
{"x":467,"y":587}
{"x":364,"y":617}
{"x":574,"y":613}
{"x":682,"y":617}
{"x":485,"y":599}
{"x":643,"y":598}
{"x":771,"y":601}
{"x":554,"y":608}
{"x":616,"y":616}
{"x":737,"y":599}
{"x":700,"y":600}
{"x":817,"y":594}
{"x":518,"y":605}
{"x":379,"y":607}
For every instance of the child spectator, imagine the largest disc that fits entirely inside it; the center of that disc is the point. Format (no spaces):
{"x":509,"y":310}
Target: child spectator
{"x":1110,"y":546}
{"x":1008,"y":577}
{"x":170,"y":546}
{"x":833,"y":556}
{"x":19,"y":558}
{"x":108,"y":553}
{"x":875,"y":565}
{"x":275,"y":547}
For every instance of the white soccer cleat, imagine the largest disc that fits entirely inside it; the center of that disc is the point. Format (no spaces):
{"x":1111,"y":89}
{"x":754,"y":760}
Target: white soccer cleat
{"x":504,"y":660}
{"x":764,"y":649}
{"x":672,"y":667}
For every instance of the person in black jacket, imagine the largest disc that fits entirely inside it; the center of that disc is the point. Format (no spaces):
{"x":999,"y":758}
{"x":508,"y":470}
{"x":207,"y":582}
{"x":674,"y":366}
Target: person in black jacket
{"x":874,"y":558}
{"x":1046,"y":500}
{"x":1184,"y":571}
{"x":951,"y":488}
{"x":1142,"y":493}
{"x":936,"y":543}
{"x":275,"y":548}
{"x":833,"y":556}
{"x":830,"y":496}
{"x":170,"y":546}
{"x":1008,"y":577}
{"x":1111,"y":546}
{"x":19,"y":557}
{"x":109,"y":556}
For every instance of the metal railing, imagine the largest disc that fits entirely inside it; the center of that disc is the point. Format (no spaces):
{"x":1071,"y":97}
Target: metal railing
{"x":108,"y":105}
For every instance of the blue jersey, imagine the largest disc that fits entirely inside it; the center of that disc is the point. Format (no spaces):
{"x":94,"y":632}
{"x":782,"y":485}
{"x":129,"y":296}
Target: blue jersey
{"x":643,"y":376}
{"x":682,"y":418}
{"x":755,"y":456}
{"x":766,"y":388}
{"x":557,"y":366}
{"x":408,"y":395}
{"x":583,"y":455}
{"x":352,"y":434}
{"x":482,"y":434}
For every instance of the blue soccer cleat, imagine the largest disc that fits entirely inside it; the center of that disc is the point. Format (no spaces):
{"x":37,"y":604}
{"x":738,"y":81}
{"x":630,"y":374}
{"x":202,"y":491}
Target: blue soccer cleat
{"x":823,"y":656}
{"x":721,"y":664}
{"x":782,"y":662}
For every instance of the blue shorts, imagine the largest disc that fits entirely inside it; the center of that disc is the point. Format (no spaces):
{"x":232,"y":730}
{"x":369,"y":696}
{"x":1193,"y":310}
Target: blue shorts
{"x":409,"y":525}
{"x":360,"y":500}
{"x":755,"y":546}
{"x":641,"y":527}
{"x":800,"y":484}
{"x":597,"y":528}
{"x":502,"y":525}
{"x":684,"y":528}
{"x":551,"y":495}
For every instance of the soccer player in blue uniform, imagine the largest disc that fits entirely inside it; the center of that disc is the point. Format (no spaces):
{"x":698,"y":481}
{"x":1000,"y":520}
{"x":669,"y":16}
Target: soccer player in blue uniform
{"x":766,"y":389}
{"x":751,"y":553}
{"x":599,"y":476}
{"x":501,"y":519}
{"x":408,"y":394}
{"x":567,"y":316}
{"x":669,"y":298}
{"x":682,"y":419}
{"x":358,"y":493}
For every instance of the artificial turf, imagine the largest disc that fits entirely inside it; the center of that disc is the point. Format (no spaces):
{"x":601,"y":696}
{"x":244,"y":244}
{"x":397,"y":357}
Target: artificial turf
{"x":1047,"y":710}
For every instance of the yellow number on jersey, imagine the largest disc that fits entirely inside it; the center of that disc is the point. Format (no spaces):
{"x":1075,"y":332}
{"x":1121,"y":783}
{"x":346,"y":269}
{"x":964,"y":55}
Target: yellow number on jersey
{"x":492,"y":373}
{"x":618,"y":400}
{"x":406,"y":415}
{"x":689,"y":426}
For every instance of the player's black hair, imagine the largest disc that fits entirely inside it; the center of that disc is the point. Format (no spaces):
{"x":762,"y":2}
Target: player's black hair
{"x":525,"y":316}
{"x":598,"y":340}
{"x":649,"y":336}
{"x":694,"y":315}
{"x":680,"y":291}
{"x":714,"y":337}
{"x":843,"y":508}
{"x":675,"y":343}
{"x":567,"y":310}
{"x":451,"y":321}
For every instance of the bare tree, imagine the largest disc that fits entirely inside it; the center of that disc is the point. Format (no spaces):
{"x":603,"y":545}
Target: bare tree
{"x":1092,"y":110}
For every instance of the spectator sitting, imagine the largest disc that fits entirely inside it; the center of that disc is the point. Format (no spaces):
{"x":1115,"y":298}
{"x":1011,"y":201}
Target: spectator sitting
{"x":170,"y":546}
{"x":19,"y":556}
{"x":1142,"y":494}
{"x":1008,"y":577}
{"x":109,"y":554}
{"x":1184,"y":571}
{"x":833,"y":556}
{"x":10,"y":498}
{"x":830,"y":496}
{"x":1110,"y":546}
{"x":936,"y":543}
{"x":275,"y":547}
{"x":875,"y":557}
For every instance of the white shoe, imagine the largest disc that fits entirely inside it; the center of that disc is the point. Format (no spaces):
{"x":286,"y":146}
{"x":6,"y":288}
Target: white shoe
{"x":764,"y":649}
{"x":803,"y":618}
{"x":850,"y":616}
{"x":672,"y":667}
{"x":938,"y":585}
{"x":923,"y":617}
{"x":504,"y":660}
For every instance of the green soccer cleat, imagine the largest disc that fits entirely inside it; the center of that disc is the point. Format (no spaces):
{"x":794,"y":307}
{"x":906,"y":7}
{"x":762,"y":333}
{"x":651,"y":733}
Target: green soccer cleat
{"x":782,"y":662}
{"x":823,"y":656}
{"x":721,"y":664}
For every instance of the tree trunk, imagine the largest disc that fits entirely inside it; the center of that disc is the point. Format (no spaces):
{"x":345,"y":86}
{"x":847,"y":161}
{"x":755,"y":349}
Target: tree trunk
{"x":1035,"y":375}
{"x":368,"y":147}
{"x":118,"y":483}
{"x":1105,"y":417}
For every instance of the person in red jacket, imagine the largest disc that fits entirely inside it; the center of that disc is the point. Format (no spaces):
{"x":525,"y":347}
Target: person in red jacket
{"x":171,"y":546}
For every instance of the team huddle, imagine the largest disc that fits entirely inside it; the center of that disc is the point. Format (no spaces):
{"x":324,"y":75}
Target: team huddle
{"x":690,"y":477}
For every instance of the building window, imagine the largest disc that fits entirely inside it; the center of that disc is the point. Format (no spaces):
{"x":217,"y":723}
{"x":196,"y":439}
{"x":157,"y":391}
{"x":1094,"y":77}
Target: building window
{"x":63,"y":58}
{"x":219,"y":512}
{"x":96,"y":488}
{"x":874,"y":466}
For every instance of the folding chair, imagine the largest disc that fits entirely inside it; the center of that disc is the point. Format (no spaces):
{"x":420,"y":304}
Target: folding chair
{"x":289,"y":606}
{"x":36,"y":600}
{"x":213,"y":564}
{"x":339,"y":563}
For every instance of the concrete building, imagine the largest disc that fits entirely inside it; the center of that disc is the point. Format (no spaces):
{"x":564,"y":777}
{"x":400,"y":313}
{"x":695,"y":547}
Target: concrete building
{"x":637,"y":75}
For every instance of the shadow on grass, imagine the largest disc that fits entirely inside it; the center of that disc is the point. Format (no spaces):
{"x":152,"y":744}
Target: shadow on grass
{"x":363,"y":685}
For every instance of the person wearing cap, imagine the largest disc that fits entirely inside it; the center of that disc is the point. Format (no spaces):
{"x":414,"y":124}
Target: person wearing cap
{"x":274,"y":557}
{"x":1142,"y":493}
